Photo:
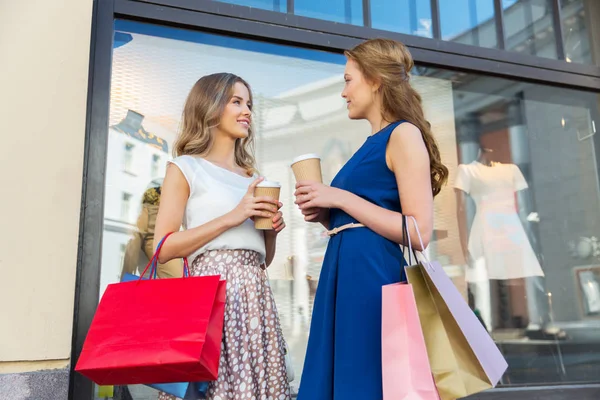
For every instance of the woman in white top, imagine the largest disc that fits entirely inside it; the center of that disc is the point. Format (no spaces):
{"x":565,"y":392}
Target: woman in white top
{"x":209,"y":188}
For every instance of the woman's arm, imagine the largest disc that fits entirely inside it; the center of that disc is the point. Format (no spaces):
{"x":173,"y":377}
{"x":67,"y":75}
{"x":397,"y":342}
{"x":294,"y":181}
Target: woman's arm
{"x":270,"y":245}
{"x":271,"y":236}
{"x":174,"y":196}
{"x":407,"y":157}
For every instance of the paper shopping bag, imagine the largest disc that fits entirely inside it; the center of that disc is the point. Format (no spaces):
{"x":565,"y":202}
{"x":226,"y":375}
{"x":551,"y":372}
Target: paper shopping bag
{"x":463,"y":357}
{"x":405,"y":366}
{"x":181,"y":390}
{"x":156,"y":331}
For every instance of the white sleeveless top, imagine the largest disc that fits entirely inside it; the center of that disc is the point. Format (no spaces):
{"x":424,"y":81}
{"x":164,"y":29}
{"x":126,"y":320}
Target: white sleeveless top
{"x":215,"y":191}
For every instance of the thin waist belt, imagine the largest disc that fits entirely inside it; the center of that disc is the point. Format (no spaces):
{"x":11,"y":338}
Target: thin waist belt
{"x":337,"y":230}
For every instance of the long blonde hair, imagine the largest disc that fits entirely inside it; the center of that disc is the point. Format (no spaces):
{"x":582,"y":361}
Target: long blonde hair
{"x":389,"y":63}
{"x":202,"y":112}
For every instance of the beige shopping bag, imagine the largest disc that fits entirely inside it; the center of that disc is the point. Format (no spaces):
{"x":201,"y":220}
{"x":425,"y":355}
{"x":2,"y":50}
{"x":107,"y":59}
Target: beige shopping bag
{"x":464,"y":358}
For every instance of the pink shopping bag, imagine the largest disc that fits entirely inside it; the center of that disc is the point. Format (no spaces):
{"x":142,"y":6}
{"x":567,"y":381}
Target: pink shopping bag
{"x":405,"y":366}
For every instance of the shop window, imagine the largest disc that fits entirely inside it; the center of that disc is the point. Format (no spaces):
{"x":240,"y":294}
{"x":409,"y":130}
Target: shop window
{"x":514,"y":228}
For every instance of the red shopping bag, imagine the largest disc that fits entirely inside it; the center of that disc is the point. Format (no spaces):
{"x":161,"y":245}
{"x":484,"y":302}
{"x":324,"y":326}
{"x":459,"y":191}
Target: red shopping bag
{"x":156,"y":331}
{"x":406,"y":372}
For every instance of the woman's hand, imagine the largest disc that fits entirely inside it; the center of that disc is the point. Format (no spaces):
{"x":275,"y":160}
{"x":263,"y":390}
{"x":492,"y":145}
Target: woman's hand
{"x":311,"y":196}
{"x":250,"y":206}
{"x":320,"y":215}
{"x":278,"y":222}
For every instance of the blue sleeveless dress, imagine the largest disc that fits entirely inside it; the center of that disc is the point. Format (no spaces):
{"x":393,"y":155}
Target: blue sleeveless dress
{"x":343,"y":360}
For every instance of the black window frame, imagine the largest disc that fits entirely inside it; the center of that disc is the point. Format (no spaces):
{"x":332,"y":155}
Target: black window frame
{"x":285,"y":28}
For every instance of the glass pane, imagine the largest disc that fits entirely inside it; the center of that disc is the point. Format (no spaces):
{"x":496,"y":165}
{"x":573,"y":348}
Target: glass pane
{"x":412,"y":17}
{"x":271,"y":5}
{"x":576,"y":30}
{"x":515,"y":228}
{"x":519,"y":217}
{"x":468,"y":22}
{"x":344,"y":11}
{"x":529,"y":27}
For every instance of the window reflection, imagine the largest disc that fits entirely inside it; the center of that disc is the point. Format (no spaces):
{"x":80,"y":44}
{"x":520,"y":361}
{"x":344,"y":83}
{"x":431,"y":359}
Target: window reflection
{"x":272,"y":5}
{"x":529,"y":27}
{"x":155,"y":165}
{"x":412,"y":17}
{"x":516,"y":228}
{"x":344,"y":11}
{"x":126,"y":206}
{"x":468,"y":22}
{"x":576,"y":22}
{"x":128,"y":157}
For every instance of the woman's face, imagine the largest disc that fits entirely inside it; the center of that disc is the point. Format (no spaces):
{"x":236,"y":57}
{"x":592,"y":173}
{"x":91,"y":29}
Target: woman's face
{"x":358,"y":93}
{"x":237,"y":115}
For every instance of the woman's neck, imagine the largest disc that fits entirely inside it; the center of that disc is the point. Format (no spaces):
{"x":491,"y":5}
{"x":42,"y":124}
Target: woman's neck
{"x":222,"y":152}
{"x":377,"y":121}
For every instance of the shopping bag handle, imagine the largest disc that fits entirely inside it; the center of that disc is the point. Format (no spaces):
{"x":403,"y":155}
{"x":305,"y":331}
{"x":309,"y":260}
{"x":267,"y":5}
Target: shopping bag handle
{"x":410,"y":248}
{"x":153,"y":263}
{"x":411,"y":252}
{"x":154,"y":268}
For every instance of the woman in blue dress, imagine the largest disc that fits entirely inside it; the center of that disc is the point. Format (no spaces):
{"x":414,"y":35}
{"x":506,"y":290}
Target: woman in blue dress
{"x":396,"y":171}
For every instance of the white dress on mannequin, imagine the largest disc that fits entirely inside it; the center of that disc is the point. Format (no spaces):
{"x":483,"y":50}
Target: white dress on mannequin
{"x":497,"y":236}
{"x":498,"y":244}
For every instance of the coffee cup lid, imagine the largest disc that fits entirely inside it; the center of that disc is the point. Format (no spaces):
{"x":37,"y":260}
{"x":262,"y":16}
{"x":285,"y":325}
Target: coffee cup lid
{"x":305,"y":157}
{"x":269,"y":184}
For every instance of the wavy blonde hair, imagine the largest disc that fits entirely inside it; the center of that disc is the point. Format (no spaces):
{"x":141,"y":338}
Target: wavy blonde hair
{"x":389,"y":63}
{"x":202,"y":112}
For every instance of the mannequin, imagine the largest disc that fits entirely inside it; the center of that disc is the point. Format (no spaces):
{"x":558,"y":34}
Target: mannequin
{"x":497,"y":248}
{"x":141,"y":242}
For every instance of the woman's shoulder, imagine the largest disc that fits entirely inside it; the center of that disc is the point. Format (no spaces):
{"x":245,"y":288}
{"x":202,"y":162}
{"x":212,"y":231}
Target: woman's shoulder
{"x":396,"y":131}
{"x":404,"y":127}
{"x":406,"y":136}
{"x":192,"y":164}
{"x":189,"y":167}
{"x":185,"y":159}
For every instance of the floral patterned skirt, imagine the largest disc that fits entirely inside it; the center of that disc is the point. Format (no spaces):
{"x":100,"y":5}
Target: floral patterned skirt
{"x":252,"y":364}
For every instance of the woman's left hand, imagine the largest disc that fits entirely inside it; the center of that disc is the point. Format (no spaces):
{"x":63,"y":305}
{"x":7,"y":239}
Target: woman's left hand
{"x":316,"y":195}
{"x":278,"y":222}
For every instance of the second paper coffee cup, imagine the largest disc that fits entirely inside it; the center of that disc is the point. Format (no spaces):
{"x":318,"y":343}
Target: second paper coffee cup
{"x":307,"y":168}
{"x":270,"y":189}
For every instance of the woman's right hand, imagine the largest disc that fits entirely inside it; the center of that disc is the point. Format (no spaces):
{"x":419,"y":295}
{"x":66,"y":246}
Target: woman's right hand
{"x":318,"y":215}
{"x":250,"y":206}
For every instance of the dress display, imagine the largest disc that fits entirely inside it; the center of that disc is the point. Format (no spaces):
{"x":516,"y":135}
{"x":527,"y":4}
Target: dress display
{"x":497,"y":243}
